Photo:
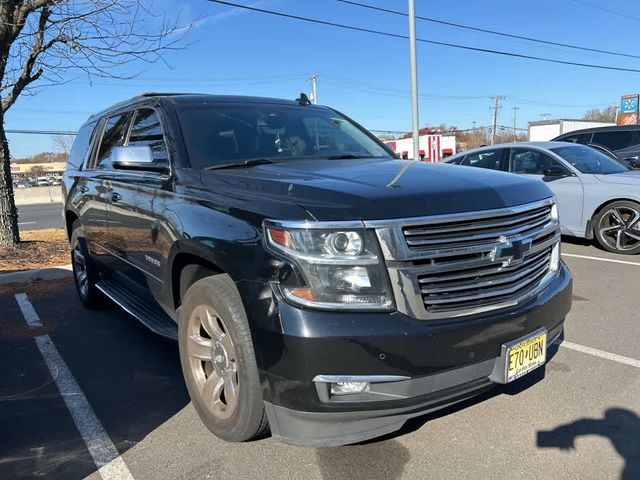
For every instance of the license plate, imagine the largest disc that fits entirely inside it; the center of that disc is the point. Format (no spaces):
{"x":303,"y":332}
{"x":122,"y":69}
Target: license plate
{"x":526,"y":356}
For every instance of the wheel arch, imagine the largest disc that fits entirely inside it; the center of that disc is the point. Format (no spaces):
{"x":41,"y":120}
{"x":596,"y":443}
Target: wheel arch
{"x":186,"y":268}
{"x":70,"y":217}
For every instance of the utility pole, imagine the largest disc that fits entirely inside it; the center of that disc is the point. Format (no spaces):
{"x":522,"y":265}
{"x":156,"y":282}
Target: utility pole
{"x":496,"y":108}
{"x":414,"y":80}
{"x":515,"y":116}
{"x":314,"y":88}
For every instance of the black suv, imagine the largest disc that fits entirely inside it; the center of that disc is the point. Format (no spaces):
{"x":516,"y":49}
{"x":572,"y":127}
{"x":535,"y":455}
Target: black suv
{"x":315,"y":283}
{"x":622,"y":140}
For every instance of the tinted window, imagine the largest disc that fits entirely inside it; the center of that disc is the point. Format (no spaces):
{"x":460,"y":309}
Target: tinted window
{"x":115,"y":131}
{"x":532,"y":162}
{"x":583,"y":138}
{"x":589,"y":160}
{"x":220,"y":134}
{"x":487,"y":159}
{"x":614,"y":140}
{"x":147,"y":130}
{"x":81,"y":145}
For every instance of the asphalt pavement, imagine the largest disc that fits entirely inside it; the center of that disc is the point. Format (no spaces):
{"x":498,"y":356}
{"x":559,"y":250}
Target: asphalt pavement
{"x":578,"y":418}
{"x":40,"y":216}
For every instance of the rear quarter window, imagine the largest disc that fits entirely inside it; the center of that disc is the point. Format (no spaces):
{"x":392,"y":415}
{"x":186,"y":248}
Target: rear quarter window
{"x":81,"y":146}
{"x":615,"y":140}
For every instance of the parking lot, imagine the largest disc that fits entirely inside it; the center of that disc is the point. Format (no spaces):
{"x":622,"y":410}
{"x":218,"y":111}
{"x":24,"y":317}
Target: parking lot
{"x":577,"y":418}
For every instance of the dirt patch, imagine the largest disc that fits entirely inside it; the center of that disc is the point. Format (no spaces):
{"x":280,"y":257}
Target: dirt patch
{"x":37,"y":288}
{"x":38,"y":249}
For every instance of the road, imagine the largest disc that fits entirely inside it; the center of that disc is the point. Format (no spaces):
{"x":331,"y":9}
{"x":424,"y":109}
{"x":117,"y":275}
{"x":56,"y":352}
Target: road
{"x":40,"y":216}
{"x":577,"y":418}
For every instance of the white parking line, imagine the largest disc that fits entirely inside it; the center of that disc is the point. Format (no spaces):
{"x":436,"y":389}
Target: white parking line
{"x":26,"y":223}
{"x":105,"y":455}
{"x":610,"y":260}
{"x":602,"y":354}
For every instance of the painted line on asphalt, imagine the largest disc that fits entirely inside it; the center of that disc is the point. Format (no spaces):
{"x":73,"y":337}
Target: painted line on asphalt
{"x":610,"y":260}
{"x":602,"y":354}
{"x":26,"y":223}
{"x":105,"y":455}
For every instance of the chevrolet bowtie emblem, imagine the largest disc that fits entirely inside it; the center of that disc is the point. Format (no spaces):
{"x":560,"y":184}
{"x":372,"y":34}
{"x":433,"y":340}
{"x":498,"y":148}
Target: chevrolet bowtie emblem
{"x":510,"y":251}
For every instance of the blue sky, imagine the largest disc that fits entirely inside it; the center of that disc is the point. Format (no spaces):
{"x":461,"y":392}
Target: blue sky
{"x":367,"y":76}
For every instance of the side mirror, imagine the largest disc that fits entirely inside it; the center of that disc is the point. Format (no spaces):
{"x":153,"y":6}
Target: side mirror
{"x":136,"y":158}
{"x":556,"y":171}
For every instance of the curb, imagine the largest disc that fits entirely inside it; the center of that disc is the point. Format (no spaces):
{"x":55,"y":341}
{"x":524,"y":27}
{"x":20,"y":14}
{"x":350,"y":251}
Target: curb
{"x":40,"y":274}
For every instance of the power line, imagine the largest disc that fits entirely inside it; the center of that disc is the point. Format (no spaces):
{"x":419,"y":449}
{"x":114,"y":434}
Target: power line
{"x":432,"y":42}
{"x":492,"y":32}
{"x":607,"y":10}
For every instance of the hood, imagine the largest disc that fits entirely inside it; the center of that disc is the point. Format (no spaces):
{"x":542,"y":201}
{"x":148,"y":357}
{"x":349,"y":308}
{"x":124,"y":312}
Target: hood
{"x":357,"y":189}
{"x":631,"y":177}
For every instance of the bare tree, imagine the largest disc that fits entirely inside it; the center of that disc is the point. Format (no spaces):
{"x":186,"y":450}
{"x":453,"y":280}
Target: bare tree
{"x":43,"y":42}
{"x":63,"y":143}
{"x":607,"y":114}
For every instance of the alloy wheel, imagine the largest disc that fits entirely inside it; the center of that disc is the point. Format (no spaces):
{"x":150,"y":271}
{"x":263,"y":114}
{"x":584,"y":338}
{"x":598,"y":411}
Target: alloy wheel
{"x":620,"y":228}
{"x":212,"y":359}
{"x":80,"y":271}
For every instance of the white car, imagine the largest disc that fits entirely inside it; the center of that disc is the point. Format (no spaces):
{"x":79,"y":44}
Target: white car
{"x":598,"y":197}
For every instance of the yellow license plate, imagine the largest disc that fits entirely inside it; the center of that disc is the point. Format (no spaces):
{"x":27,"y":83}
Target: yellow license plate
{"x":526,"y":356}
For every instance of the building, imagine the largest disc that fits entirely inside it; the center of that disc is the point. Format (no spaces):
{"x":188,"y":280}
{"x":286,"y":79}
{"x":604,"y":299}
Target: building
{"x":433,"y":147}
{"x":545,"y":130}
{"x":21,"y":170}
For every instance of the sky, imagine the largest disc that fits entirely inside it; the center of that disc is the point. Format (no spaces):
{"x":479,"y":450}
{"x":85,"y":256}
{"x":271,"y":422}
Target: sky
{"x":367,"y":76}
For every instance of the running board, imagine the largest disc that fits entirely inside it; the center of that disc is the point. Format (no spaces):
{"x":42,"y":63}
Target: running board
{"x":152,"y":317}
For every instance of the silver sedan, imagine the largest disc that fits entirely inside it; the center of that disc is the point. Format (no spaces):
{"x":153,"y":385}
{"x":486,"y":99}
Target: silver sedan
{"x":598,"y":197}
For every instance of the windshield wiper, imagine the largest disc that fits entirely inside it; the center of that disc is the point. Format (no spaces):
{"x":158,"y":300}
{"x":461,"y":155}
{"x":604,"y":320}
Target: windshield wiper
{"x":347,"y":156}
{"x":247,"y":163}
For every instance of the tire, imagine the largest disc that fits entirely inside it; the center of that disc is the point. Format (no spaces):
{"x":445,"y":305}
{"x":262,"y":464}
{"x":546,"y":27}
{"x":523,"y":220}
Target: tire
{"x":85,"y":274}
{"x":617,"y":227}
{"x":218,"y":360}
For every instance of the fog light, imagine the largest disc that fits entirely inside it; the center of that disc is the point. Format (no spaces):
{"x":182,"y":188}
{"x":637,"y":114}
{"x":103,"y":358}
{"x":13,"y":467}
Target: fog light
{"x":349,"y":388}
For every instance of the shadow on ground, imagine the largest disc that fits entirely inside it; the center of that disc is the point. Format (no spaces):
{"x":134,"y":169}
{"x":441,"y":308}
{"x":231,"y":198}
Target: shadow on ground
{"x":131,"y":378}
{"x":619,"y":425}
{"x":363,"y":462}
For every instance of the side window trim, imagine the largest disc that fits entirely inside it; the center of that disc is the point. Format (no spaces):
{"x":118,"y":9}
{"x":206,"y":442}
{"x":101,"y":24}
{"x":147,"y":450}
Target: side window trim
{"x":157,"y":112}
{"x":90,"y":161}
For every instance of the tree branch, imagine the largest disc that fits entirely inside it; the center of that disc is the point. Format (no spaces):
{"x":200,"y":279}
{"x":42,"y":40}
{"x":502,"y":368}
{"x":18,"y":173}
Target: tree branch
{"x":28,"y":75}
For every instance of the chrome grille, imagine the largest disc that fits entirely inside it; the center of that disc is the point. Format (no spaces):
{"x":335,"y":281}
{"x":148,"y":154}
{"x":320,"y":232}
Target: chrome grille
{"x":452,"y":265}
{"x":465,"y":233}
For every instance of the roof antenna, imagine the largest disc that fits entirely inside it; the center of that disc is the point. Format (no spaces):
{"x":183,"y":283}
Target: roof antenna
{"x":303,"y":100}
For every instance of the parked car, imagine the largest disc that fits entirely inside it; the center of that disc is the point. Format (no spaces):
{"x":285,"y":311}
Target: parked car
{"x":314,"y":283}
{"x":43,"y":182}
{"x":622,"y":140}
{"x":598,"y":197}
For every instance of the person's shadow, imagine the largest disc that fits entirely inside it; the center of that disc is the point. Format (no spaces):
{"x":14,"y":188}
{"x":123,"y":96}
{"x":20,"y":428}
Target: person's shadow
{"x":620,"y":426}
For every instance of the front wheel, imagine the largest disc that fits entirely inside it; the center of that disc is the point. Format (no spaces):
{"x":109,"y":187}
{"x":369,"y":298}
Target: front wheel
{"x":218,"y":360}
{"x":617,"y":227}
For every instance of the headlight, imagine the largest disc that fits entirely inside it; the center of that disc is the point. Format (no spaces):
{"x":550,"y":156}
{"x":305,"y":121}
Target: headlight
{"x":341,"y":268}
{"x":554,"y":212}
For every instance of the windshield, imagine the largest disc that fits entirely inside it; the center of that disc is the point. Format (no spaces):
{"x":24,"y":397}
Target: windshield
{"x":589,"y":160}
{"x":218,"y":134}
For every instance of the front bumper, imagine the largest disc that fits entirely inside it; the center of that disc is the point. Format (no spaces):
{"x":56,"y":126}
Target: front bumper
{"x":447,"y":362}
